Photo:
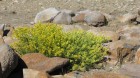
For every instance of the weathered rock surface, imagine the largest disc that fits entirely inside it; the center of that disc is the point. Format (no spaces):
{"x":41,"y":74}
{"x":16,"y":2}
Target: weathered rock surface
{"x":74,"y":74}
{"x":80,"y":16}
{"x":1,"y":29}
{"x":139,"y":12}
{"x":132,"y":70}
{"x":129,"y":32}
{"x":30,"y":73}
{"x":111,"y":35}
{"x":95,"y":18}
{"x":1,"y":41}
{"x":137,"y":57}
{"x":63,"y":18}
{"x":8,"y":59}
{"x":46,"y":15}
{"x":58,"y":76}
{"x":8,"y":40}
{"x":128,"y":18}
{"x":42,"y":63}
{"x":67,"y":28}
{"x":103,"y":74}
{"x":122,"y":50}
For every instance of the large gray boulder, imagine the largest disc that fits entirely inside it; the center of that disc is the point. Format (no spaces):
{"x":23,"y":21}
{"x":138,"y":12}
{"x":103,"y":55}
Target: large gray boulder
{"x":8,"y":59}
{"x":46,"y":15}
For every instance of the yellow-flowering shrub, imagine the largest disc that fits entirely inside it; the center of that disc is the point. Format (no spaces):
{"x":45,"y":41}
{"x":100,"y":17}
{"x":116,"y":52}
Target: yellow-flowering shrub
{"x":81,"y":47}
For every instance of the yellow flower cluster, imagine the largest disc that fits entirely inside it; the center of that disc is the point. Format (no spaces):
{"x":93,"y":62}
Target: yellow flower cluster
{"x":81,"y":47}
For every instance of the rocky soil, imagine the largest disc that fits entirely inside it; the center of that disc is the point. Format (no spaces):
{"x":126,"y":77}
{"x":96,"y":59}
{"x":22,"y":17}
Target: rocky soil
{"x":21,"y":12}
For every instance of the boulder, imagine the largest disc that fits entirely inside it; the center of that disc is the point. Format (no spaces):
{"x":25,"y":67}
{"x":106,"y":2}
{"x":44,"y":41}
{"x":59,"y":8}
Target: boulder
{"x":31,"y":73}
{"x":46,"y":15}
{"x":128,"y":18}
{"x":95,"y":18}
{"x":132,"y":70}
{"x":8,"y":59}
{"x":63,"y":18}
{"x":137,"y":57}
{"x":43,"y":63}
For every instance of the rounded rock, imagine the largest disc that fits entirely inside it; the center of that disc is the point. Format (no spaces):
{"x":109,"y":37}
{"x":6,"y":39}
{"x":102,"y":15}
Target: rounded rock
{"x":95,"y":18}
{"x":46,"y":15}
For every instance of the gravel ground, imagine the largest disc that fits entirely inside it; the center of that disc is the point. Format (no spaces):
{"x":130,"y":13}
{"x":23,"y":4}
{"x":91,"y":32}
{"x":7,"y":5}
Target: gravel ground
{"x":21,"y":12}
